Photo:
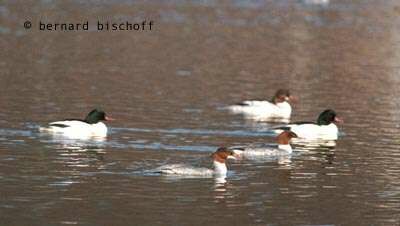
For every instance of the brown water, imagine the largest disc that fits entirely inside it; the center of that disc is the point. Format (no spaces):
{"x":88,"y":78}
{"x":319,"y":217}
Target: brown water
{"x":166,"y":87}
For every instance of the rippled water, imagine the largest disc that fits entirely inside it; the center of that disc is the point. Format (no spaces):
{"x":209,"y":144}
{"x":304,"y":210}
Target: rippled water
{"x":167,"y":88}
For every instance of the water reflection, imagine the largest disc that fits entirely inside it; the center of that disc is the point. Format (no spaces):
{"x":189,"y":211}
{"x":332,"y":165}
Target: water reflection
{"x":219,"y":180}
{"x":77,"y":164}
{"x":79,"y":157}
{"x":59,"y":136}
{"x":72,"y":143}
{"x":222,"y":190}
{"x":200,"y":132}
{"x":250,"y":119}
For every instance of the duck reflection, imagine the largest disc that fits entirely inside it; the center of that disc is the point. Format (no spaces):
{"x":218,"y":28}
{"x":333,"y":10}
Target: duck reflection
{"x":223,"y":190}
{"x":76,"y":163}
{"x":253,"y":120}
{"x":263,"y":124}
{"x":76,"y":153}
{"x":326,"y":148}
{"x":59,"y":141}
{"x":220,"y":180}
{"x":312,"y":144}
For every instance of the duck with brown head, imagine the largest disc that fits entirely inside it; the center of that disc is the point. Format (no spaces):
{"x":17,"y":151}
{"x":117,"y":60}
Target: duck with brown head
{"x":278,"y":108}
{"x":283,"y":148}
{"x":219,"y":158}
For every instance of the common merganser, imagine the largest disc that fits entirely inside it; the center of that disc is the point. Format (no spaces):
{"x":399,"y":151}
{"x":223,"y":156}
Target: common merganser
{"x":324,"y":128}
{"x":220,"y":169}
{"x":316,"y":2}
{"x":91,"y":126}
{"x":278,"y":108}
{"x":282,"y":149}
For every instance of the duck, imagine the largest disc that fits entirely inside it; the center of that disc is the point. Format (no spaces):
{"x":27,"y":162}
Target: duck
{"x":316,"y":2}
{"x":282,"y":148}
{"x":278,"y":108}
{"x":325,"y":127}
{"x":90,"y":126}
{"x":219,"y":161}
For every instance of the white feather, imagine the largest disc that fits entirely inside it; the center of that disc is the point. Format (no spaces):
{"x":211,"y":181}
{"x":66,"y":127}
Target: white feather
{"x":251,"y":152}
{"x":183,"y":169}
{"x":76,"y":129}
{"x":314,"y":131}
{"x":263,"y":109}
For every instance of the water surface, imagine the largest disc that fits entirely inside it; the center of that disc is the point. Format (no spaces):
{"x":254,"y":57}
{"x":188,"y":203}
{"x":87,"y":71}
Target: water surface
{"x":166,"y":89}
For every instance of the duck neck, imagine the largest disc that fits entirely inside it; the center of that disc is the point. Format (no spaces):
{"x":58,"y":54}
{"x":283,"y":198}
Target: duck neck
{"x":220,"y":168}
{"x":285,"y":147}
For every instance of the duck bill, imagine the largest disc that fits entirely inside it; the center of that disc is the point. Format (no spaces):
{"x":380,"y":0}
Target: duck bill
{"x":109,"y":118}
{"x":338,"y":120}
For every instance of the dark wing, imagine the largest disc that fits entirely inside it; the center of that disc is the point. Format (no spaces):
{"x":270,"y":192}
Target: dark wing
{"x":59,"y":125}
{"x":241,"y":148}
{"x":249,"y":102}
{"x":74,"y":119}
{"x":303,"y":122}
{"x":64,"y":123}
{"x":242,"y":104}
{"x":287,"y":127}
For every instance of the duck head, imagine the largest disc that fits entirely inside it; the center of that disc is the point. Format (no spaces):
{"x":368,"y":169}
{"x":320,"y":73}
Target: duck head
{"x":283,"y":140}
{"x":285,"y":137}
{"x":327,"y":117}
{"x":282,"y":95}
{"x":222,"y":154}
{"x":96,"y":116}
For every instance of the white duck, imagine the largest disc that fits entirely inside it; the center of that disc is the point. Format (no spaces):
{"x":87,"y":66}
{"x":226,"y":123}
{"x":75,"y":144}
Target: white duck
{"x":278,"y":108}
{"x":324,"y":128}
{"x":282,"y":148}
{"x":77,"y":128}
{"x":219,"y":160}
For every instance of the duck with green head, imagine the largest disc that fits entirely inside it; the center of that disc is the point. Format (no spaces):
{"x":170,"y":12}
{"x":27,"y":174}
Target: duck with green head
{"x":325,"y":128}
{"x":91,"y":125}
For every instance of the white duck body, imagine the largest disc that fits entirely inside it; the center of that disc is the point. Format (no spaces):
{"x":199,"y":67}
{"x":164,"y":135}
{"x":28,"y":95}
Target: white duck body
{"x":187,"y":170}
{"x":324,"y":129}
{"x":263,"y":109}
{"x":77,"y":129}
{"x":250,"y":152}
{"x":315,"y":131}
{"x":90,"y":127}
{"x":282,"y":149}
{"x":278,"y":108}
{"x":220,"y":169}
